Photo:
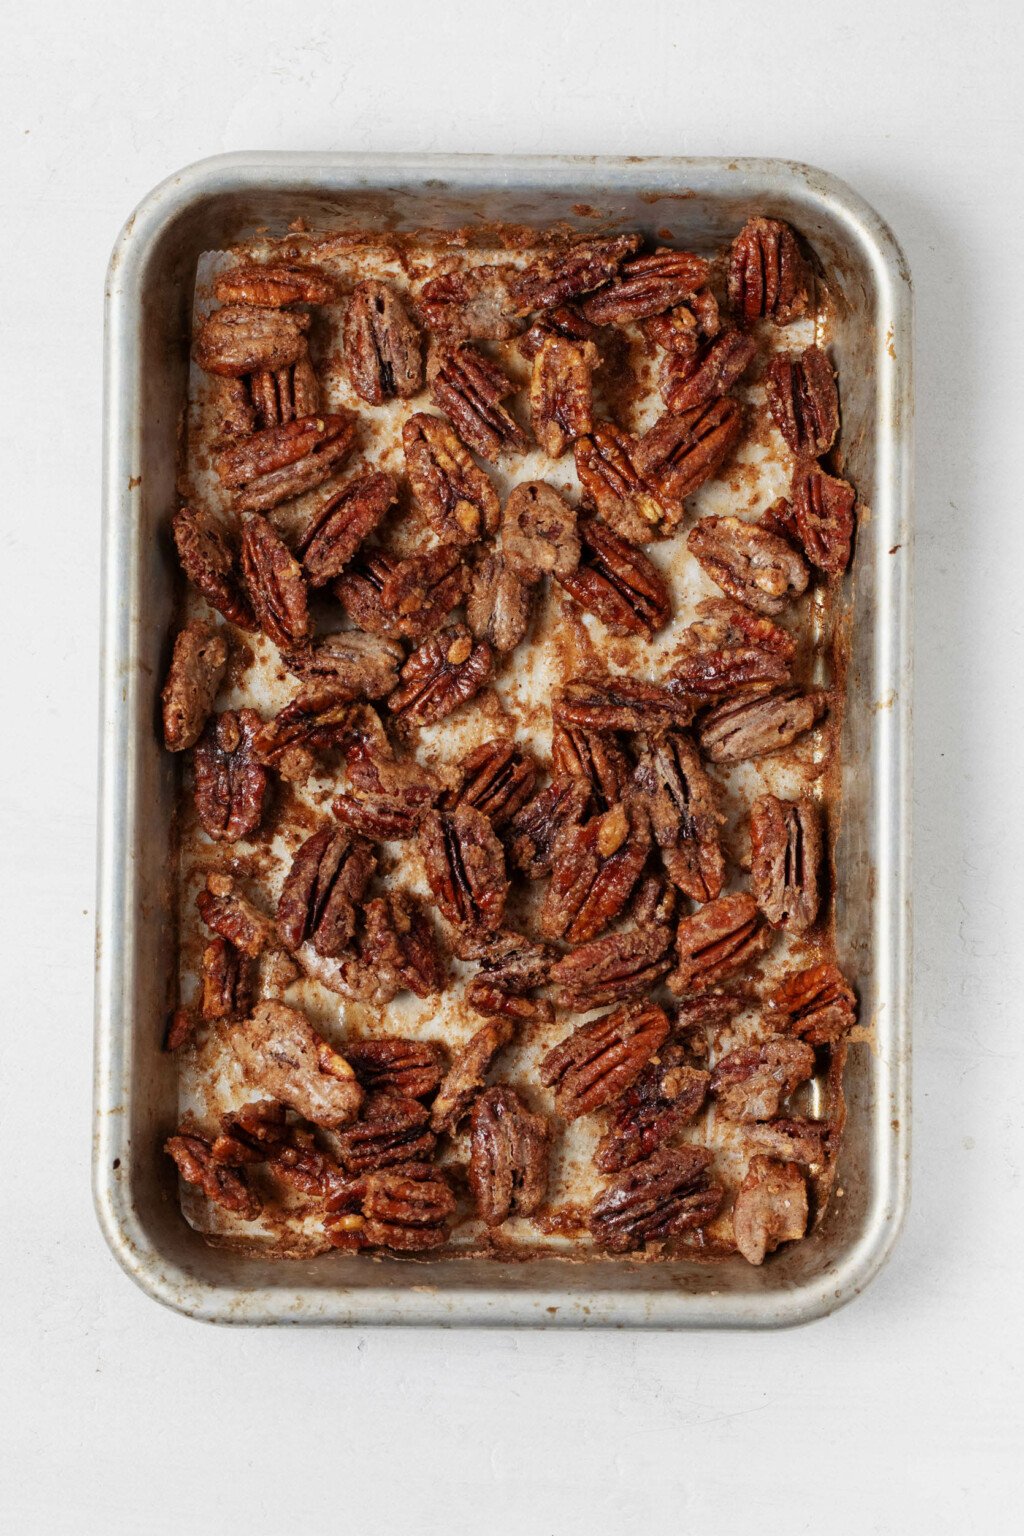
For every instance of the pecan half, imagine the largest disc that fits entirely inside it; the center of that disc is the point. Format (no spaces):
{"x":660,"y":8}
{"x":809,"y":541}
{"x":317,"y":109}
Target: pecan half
{"x":804,"y":401}
{"x":507,"y":959}
{"x":771,"y":1208}
{"x":320,"y":718}
{"x":224,"y":1186}
{"x":620,"y":704}
{"x":596,"y":866}
{"x":407,"y":1209}
{"x":389,"y":795}
{"x":667,"y":1095}
{"x":822,"y":514}
{"x":595,"y":757}
{"x":614,"y":968}
{"x":281,"y":462}
{"x":565,"y":271}
{"x":618,"y":584}
{"x":756,"y":727}
{"x":689,"y":382}
{"x":197,"y":667}
{"x":717,"y":941}
{"x":399,"y":944}
{"x":390,"y":1130}
{"x":420,"y":591}
{"x":230,"y":784}
{"x":469,"y":388}
{"x":465,"y":866}
{"x":497,"y":778}
{"x":792,"y":1139}
{"x":607,"y":465}
{"x":818,"y":1004}
{"x":446,"y":672}
{"x":274,"y":284}
{"x":328,"y":877}
{"x":275,"y":584}
{"x":492,"y":1001}
{"x":535,"y":829}
{"x":280,"y":1051}
{"x":768,"y":276}
{"x":785,"y":861}
{"x":751,"y":1082}
{"x":211,"y":565}
{"x":239,"y":340}
{"x":411,"y":1068}
{"x":508,"y":1160}
{"x":682,"y":806}
{"x":467,"y":1073}
{"x":538,"y":532}
{"x":561,"y":395}
{"x":564,"y":320}
{"x":359,"y":591}
{"x":460,"y":502}
{"x":472,"y":305}
{"x":731,"y":650}
{"x":647,"y":285}
{"x":685,"y":327}
{"x":382,"y":345}
{"x":274,"y":399}
{"x":599,"y":1060}
{"x":349,"y":662}
{"x":228,"y":913}
{"x":226,"y":982}
{"x":499,"y":603}
{"x":753,"y":565}
{"x":684,"y":449}
{"x":347,"y":517}
{"x":260,"y":1133}
{"x":666,"y":1194}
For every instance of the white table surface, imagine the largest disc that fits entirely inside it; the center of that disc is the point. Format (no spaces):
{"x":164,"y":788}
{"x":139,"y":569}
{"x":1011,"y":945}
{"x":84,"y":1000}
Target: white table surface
{"x":903,"y":1412}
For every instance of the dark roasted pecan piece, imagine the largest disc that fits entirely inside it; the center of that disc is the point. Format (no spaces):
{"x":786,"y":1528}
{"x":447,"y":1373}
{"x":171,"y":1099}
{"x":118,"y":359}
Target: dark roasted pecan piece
{"x":238,"y":340}
{"x":699,"y":1019}
{"x":419,"y":592}
{"x":565,"y":271}
{"x":538,"y":532}
{"x":804,"y":401}
{"x":647,"y":285}
{"x":689,"y":382}
{"x":606,"y":463}
{"x":278,"y":398}
{"x":620,"y":704}
{"x":499,"y":602}
{"x":274,"y":284}
{"x":492,"y":1001}
{"x":614,"y":968}
{"x":197,"y":666}
{"x":771,"y":1208}
{"x":667,"y":1095}
{"x":382,"y":345}
{"x":785,"y":861}
{"x":507,"y":958}
{"x":599,"y":1060}
{"x":252,"y":1134}
{"x":465,"y":866}
{"x":682,"y":807}
{"x":280,"y":1052}
{"x":593,"y":756}
{"x":596,"y":866}
{"x":389,"y":795}
{"x":685,"y":448}
{"x":753,"y":565}
{"x":535,"y":829}
{"x":685,"y":327}
{"x":473,"y":305}
{"x":226,"y":980}
{"x":792,"y":1139}
{"x":447,"y":671}
{"x":751,"y":1082}
{"x":407,"y":1209}
{"x":399,"y":943}
{"x":730,"y":649}
{"x":817,"y":1004}
{"x":210,"y":564}
{"x":275,"y":584}
{"x":455,"y":493}
{"x":359,"y":592}
{"x":497,"y":778}
{"x":350,"y":662}
{"x":469,"y":388}
{"x":768,"y":276}
{"x":228,"y":913}
{"x":561,"y":397}
{"x":390,"y":1130}
{"x":508,"y":1160}
{"x":756,"y":727}
{"x":231,"y":785}
{"x":281,"y":462}
{"x":618,"y":583}
{"x":224,"y":1186}
{"x":181,"y":1028}
{"x":668,"y":1193}
{"x":320,"y":718}
{"x":565,"y":320}
{"x":389,"y":1064}
{"x":465,"y":1077}
{"x":328,"y":877}
{"x":347,"y":517}
{"x":718,"y":940}
{"x":822,"y":514}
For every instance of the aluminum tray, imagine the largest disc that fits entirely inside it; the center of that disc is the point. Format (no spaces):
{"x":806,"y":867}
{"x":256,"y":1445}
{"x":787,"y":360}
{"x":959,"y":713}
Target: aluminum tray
{"x":149,"y":296}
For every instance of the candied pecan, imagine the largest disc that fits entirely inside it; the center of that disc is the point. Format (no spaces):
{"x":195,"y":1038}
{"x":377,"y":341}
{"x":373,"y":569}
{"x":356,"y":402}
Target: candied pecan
{"x":721,"y":938}
{"x":699,"y":1019}
{"x":785,"y":860}
{"x":472,"y":305}
{"x":499,"y":602}
{"x":508,"y":959}
{"x":599,"y":1060}
{"x":818,"y":1004}
{"x":411,"y":1068}
{"x":620,"y":704}
{"x":596,"y":866}
{"x":565,"y":271}
{"x":668,"y":1193}
{"x":756,"y":727}
{"x":752,"y":564}
{"x":390,"y":1130}
{"x":230,"y":784}
{"x":497,"y":778}
{"x":469,"y":388}
{"x":238,"y":340}
{"x":328,"y":877}
{"x":508,"y":1160}
{"x":667,"y":1095}
{"x":564,"y":320}
{"x":273,"y":284}
{"x":226,"y":912}
{"x":535,"y":829}
{"x":252,"y":1134}
{"x":492,"y":1001}
{"x":681,"y":804}
{"x":226,"y":980}
{"x":685,"y":448}
{"x":181,"y":1027}
{"x":275,"y":584}
{"x":618,"y":583}
{"x":406,"y":1209}
{"x":455,"y":493}
{"x":822,"y":514}
{"x":683,"y":328}
{"x":350,"y":662}
{"x":399,"y":942}
{"x":730,"y":650}
{"x":561,"y":393}
{"x":751,"y":1081}
{"x":771,"y":1208}
{"x":389,"y":794}
{"x":465,"y":866}
{"x":792,"y":1139}
{"x":804,"y":401}
{"x":359,"y":591}
{"x":210,"y":564}
{"x":420,"y":591}
{"x":382,"y":345}
{"x":232,"y":409}
{"x":320,"y":717}
{"x":538,"y":532}
{"x":606,"y":463}
{"x":689,"y":382}
{"x":280,"y":1051}
{"x":279,"y":397}
{"x":655,"y":901}
{"x":197,"y":667}
{"x":647,"y":285}
{"x":281,"y":462}
{"x":465,"y":1077}
{"x":447,"y":671}
{"x":594,"y":756}
{"x":614,"y":968}
{"x":224,"y":1186}
{"x":768,"y":275}
{"x":347,"y":517}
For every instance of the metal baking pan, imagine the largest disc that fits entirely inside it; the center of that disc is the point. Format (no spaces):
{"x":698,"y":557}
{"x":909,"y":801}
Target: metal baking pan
{"x":148,"y":312}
